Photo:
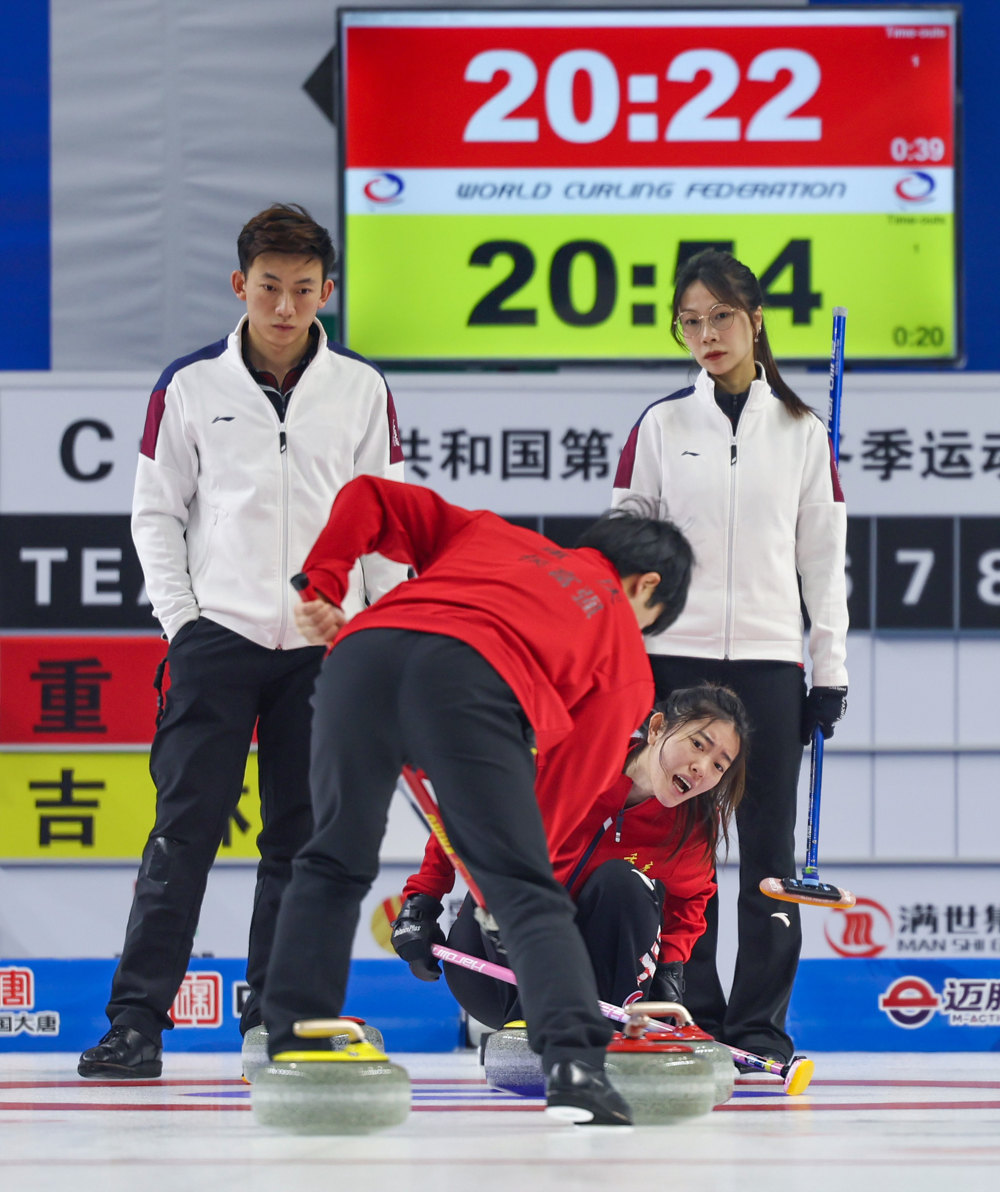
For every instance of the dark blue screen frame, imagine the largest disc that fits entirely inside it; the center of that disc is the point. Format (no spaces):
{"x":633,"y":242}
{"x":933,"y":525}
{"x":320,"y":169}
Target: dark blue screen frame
{"x":25,"y":244}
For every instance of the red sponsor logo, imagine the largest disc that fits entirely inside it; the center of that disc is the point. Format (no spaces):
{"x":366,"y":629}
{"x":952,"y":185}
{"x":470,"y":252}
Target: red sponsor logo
{"x":17,"y":988}
{"x":198,"y":1001}
{"x":863,"y":931}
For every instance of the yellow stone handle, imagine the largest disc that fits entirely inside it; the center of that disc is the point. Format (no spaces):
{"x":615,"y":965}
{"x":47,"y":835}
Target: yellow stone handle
{"x":326,"y":1028}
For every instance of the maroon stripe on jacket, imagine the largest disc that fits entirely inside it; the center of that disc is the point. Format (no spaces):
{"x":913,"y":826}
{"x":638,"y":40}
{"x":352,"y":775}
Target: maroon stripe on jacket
{"x":154,"y":416}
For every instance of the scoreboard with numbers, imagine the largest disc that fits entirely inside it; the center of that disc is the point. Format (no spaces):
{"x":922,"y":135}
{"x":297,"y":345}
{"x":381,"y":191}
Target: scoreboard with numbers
{"x":519,"y":186}
{"x":931,"y":573}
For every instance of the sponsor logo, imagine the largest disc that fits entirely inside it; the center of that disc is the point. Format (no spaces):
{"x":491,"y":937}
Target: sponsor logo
{"x":241,"y":995}
{"x":383,"y":917}
{"x":865,"y":930}
{"x":17,"y":988}
{"x":971,"y":1001}
{"x":909,"y":1002}
{"x":199,"y":1001}
{"x":916,"y":187}
{"x":384,"y":188}
{"x":17,"y":1000}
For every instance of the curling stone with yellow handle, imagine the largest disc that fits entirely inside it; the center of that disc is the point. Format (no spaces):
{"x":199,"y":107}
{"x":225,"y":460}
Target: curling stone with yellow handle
{"x":254,"y":1053}
{"x":353,"y":1090}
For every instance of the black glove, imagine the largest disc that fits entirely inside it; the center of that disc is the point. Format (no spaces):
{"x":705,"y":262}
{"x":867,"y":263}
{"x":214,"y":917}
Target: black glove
{"x":415,"y":931}
{"x":824,"y":706}
{"x":667,"y":984}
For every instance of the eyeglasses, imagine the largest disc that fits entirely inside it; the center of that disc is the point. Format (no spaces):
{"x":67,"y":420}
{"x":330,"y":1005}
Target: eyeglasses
{"x":719,"y":318}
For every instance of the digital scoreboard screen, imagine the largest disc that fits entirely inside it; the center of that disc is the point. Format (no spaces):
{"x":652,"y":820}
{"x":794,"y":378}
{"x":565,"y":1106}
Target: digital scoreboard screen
{"x":519,"y":187}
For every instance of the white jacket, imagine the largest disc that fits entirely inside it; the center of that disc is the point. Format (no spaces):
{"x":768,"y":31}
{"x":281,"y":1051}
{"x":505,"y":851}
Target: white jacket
{"x":761,"y":508}
{"x":228,"y":501}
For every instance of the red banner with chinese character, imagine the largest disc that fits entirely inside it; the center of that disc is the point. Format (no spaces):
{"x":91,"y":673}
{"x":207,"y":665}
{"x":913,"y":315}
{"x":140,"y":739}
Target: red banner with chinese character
{"x":78,"y":690}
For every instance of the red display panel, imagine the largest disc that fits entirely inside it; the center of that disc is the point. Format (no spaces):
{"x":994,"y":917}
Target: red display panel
{"x":80,"y":691}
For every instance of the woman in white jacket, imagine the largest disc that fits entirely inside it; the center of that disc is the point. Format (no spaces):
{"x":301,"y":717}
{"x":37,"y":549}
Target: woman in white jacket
{"x":745,"y":468}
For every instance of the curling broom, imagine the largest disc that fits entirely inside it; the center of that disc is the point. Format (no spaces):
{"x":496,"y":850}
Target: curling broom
{"x":809,"y":889}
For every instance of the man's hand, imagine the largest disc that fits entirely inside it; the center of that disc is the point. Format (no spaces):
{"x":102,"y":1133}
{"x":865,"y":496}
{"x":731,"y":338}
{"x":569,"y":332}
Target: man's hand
{"x":318,"y":621}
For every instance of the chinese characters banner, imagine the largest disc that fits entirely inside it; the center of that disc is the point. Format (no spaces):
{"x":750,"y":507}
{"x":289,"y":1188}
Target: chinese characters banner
{"x":79,"y":690}
{"x":58,"y":807}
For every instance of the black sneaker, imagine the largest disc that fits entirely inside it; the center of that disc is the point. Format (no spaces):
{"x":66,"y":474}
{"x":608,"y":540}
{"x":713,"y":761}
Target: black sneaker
{"x":580,"y":1093}
{"x":123,"y":1054}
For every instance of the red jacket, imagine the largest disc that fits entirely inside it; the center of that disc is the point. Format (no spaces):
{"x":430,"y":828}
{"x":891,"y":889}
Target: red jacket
{"x":554,"y":623}
{"x":641,"y":835}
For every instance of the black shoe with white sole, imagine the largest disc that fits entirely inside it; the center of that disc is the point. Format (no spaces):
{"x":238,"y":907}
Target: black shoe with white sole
{"x":580,"y":1093}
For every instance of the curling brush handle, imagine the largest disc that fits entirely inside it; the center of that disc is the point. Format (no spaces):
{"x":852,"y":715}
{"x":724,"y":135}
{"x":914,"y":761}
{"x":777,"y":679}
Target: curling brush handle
{"x":810,"y":872}
{"x":302,"y":585}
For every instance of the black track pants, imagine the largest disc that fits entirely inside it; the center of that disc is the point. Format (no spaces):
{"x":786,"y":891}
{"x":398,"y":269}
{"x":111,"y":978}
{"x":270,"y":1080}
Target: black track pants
{"x":770,"y":935}
{"x":221,"y":685}
{"x":385,"y":697}
{"x":619,"y":912}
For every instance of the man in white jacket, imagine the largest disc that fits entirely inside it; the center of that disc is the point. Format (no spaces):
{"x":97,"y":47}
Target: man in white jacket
{"x":246,"y":444}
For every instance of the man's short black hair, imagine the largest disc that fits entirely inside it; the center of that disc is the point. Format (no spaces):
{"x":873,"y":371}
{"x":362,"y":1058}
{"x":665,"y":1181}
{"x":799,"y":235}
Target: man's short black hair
{"x":636,"y":539}
{"x":287,"y":228}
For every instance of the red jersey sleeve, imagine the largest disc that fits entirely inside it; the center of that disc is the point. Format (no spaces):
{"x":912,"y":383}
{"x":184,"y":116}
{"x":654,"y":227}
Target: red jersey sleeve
{"x":436,"y":875}
{"x":684,"y":916}
{"x":403,"y":522}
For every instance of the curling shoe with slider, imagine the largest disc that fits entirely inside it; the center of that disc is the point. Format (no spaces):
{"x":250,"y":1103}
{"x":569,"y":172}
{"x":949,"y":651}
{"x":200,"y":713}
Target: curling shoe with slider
{"x":123,"y":1054}
{"x":580,"y":1093}
{"x":745,"y":1069}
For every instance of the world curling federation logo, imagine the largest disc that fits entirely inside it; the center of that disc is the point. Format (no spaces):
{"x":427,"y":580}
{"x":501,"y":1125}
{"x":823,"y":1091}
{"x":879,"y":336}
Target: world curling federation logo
{"x":384,"y":189}
{"x":916,"y":187}
{"x":909,"y":1002}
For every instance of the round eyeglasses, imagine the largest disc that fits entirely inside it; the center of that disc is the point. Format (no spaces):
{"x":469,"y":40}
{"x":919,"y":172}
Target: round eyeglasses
{"x":719,"y":318}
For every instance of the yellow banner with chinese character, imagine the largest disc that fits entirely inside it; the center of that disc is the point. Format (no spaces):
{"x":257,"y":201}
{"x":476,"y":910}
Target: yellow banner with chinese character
{"x":97,"y":807}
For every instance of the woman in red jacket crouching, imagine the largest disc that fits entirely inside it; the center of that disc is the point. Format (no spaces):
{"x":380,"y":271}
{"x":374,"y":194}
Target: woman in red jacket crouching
{"x":639,"y":868}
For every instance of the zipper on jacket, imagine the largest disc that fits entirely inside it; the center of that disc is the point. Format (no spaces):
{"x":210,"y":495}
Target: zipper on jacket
{"x":727,"y":643}
{"x":283,"y":550}
{"x":579,"y":867}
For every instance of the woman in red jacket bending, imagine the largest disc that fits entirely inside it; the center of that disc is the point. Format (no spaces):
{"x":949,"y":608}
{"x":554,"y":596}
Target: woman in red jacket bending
{"x":639,"y":868}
